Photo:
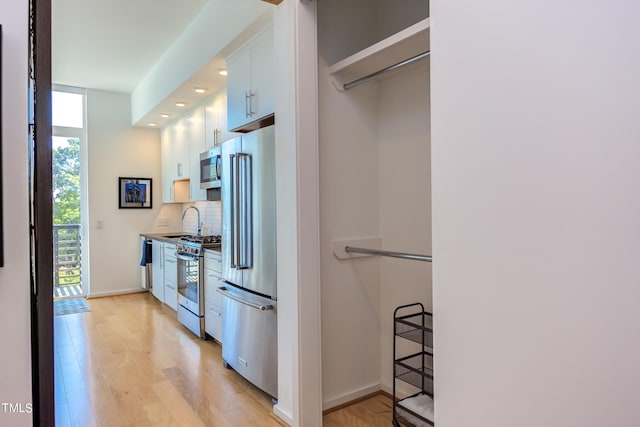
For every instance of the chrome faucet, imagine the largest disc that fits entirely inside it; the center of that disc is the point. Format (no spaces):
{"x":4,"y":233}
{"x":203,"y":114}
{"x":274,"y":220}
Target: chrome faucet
{"x":185,"y":212}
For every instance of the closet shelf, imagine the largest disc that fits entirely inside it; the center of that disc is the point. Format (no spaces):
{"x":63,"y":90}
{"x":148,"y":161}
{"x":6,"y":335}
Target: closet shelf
{"x":410,"y":327}
{"x":416,"y":369}
{"x":416,"y":408}
{"x":408,"y":43}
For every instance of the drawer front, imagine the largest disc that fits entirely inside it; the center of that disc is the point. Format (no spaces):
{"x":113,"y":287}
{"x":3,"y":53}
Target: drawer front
{"x":250,"y":339}
{"x":211,"y":282}
{"x":213,"y":320}
{"x":171,"y":294}
{"x":212,"y":261}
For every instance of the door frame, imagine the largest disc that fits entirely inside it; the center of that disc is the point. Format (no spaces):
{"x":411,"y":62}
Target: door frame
{"x":42,"y":347}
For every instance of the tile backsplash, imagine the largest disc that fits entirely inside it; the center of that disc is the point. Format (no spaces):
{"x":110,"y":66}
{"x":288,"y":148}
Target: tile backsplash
{"x":210,"y":216}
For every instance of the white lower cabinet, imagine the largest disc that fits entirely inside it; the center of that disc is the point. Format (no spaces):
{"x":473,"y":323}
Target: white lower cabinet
{"x":212,"y":299}
{"x":170,"y":276}
{"x":157,"y":259}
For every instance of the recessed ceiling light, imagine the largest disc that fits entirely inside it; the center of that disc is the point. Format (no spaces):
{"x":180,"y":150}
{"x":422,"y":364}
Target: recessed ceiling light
{"x":180,"y":104}
{"x":165,"y":115}
{"x":222,"y":71}
{"x":153,"y":124}
{"x":199,"y":90}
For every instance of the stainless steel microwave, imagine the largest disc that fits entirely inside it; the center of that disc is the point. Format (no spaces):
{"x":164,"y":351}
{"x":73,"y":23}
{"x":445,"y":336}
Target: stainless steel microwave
{"x":211,"y":168}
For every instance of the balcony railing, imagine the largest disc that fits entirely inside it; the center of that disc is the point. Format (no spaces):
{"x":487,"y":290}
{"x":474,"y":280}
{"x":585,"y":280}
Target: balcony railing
{"x":67,"y":260}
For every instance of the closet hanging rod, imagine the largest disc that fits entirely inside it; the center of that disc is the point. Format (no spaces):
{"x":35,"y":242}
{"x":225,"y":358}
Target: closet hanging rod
{"x":404,"y":255}
{"x":386,"y":71}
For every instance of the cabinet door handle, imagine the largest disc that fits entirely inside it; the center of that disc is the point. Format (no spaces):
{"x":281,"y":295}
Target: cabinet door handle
{"x":171,"y":287}
{"x":251,"y":95}
{"x":247,"y":103}
{"x":217,"y":313}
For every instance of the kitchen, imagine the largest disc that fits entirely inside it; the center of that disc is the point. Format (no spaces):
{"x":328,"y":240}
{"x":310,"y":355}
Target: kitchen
{"x":198,"y":122}
{"x":193,"y":130}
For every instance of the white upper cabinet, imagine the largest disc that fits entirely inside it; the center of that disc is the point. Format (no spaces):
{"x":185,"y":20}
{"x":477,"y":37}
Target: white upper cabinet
{"x":216,"y":130}
{"x":167,"y":160}
{"x":262,"y":76}
{"x":250,"y":82}
{"x":195,"y":123}
{"x":174,"y":147}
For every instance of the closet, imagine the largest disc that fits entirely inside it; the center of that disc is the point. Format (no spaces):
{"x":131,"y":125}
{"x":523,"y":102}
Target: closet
{"x":375,"y":189}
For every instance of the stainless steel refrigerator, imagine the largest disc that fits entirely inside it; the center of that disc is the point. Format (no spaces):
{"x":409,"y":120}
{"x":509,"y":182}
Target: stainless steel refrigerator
{"x":249,"y":330}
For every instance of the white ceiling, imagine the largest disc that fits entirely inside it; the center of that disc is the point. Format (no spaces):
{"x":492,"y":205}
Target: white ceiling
{"x":112,"y":44}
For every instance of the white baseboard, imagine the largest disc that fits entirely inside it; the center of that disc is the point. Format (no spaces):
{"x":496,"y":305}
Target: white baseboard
{"x":349,"y":397}
{"x":118,"y":292}
{"x":387,"y":389}
{"x":283,"y":415}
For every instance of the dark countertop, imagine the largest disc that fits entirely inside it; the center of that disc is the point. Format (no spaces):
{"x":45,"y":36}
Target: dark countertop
{"x":169,"y":237}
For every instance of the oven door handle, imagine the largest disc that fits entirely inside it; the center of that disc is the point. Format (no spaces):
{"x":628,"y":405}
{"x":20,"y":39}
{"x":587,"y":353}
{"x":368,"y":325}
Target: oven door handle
{"x":261,"y":307}
{"x":186,"y":258}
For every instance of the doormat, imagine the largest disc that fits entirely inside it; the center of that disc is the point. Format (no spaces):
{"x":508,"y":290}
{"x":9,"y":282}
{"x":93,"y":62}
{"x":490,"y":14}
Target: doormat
{"x":70,"y":306}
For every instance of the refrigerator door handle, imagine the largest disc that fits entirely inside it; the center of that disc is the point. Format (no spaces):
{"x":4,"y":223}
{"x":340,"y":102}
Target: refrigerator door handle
{"x":237,"y":220}
{"x":261,"y":307}
{"x":246,"y":227}
{"x":232,"y":190}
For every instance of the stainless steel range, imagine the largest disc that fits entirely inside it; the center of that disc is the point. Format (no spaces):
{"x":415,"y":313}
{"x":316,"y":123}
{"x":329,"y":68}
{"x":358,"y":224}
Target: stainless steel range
{"x":190,"y":258}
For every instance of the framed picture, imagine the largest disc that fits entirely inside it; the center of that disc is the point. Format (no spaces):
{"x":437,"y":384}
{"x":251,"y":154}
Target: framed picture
{"x":134,"y":193}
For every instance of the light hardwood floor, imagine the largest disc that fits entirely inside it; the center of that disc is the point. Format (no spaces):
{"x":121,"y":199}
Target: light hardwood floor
{"x":128,"y":362}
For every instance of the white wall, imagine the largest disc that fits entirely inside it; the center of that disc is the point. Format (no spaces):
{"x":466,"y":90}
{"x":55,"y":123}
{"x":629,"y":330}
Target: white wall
{"x":116,"y":149}
{"x":536,"y":230}
{"x":349,"y":208}
{"x":15,"y":334}
{"x":404,"y":134}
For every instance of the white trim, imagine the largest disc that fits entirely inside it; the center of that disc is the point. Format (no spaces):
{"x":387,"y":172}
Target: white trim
{"x":350,"y":397}
{"x":308,"y":200}
{"x":284,"y":417}
{"x":69,"y":132}
{"x":298,"y":245}
{"x":69,"y":89}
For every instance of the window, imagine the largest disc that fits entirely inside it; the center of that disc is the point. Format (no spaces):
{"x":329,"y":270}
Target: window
{"x":69,"y":192}
{"x":67,"y":109}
